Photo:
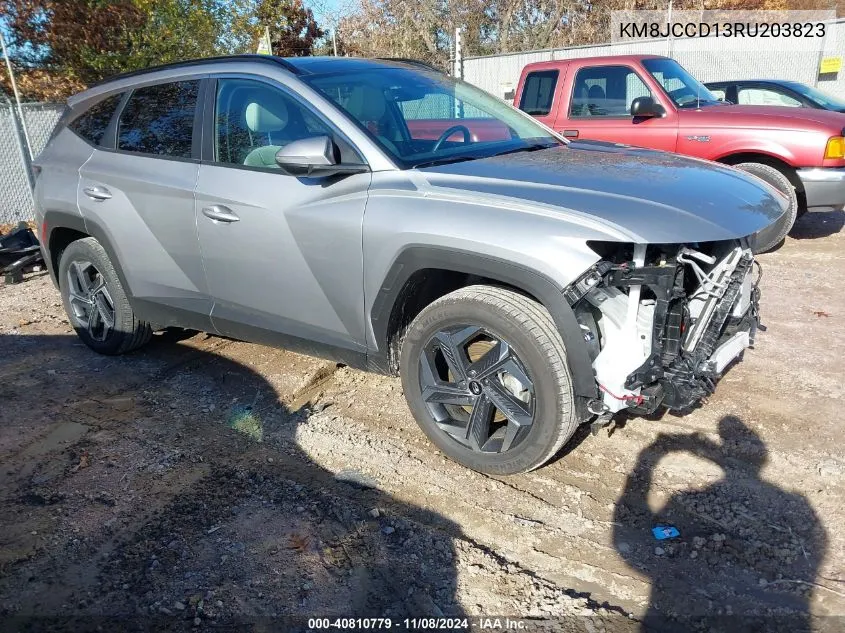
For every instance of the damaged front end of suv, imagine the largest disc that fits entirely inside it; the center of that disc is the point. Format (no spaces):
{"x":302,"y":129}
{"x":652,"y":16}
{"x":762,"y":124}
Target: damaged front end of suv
{"x":662,"y":322}
{"x":652,"y":282}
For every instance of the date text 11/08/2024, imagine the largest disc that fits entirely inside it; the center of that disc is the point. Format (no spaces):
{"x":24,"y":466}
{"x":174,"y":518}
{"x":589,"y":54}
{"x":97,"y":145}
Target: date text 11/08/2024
{"x":419,"y":624}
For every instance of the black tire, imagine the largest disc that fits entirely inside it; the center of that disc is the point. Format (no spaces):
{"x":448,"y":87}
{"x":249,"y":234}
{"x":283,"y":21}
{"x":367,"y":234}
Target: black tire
{"x":771,"y":237}
{"x":531,"y":335}
{"x":802,"y":205}
{"x":128,"y":332}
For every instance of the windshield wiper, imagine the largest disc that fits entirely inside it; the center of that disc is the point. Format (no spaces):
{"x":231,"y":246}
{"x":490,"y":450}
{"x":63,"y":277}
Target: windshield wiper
{"x":459,"y":159}
{"x":698,"y":104}
{"x":445,"y":161}
{"x":527,"y":148}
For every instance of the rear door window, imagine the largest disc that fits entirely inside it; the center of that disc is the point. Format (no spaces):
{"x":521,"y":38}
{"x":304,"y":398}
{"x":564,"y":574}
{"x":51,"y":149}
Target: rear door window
{"x":93,"y":124}
{"x":159,"y":120}
{"x":538,"y":92}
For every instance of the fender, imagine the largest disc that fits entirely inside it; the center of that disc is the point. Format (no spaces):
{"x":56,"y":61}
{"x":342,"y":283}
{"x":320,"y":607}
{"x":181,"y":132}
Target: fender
{"x":547,"y":292}
{"x":64,"y":220}
{"x":765,"y":148}
{"x":159,"y":314}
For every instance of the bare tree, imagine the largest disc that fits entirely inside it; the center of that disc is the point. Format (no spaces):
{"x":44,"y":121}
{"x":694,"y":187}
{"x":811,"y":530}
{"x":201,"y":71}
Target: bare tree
{"x":424,"y":28}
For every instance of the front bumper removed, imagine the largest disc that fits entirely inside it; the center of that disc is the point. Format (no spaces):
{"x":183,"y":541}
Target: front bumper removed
{"x":677,"y":325}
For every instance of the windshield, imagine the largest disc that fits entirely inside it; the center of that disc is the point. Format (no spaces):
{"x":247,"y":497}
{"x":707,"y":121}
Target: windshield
{"x":683,"y":89}
{"x":822,"y":98}
{"x":423,"y":117}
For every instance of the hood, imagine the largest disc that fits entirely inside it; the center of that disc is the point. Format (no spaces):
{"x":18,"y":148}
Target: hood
{"x":769,"y":117}
{"x":646,"y":195}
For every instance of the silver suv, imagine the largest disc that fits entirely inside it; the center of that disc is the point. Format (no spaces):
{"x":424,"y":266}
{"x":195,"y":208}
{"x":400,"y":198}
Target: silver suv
{"x":382,"y":214}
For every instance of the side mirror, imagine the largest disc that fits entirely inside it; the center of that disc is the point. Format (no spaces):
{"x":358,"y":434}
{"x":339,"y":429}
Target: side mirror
{"x":646,"y":107}
{"x":315,"y":156}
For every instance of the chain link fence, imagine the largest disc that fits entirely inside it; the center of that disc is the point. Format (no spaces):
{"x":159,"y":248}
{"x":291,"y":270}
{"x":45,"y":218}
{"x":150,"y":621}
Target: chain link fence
{"x":707,"y":59}
{"x":15,"y":164}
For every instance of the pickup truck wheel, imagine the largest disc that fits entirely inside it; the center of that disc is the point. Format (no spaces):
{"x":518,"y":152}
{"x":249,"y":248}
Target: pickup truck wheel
{"x":802,"y":205}
{"x":95,"y":301}
{"x":485,"y":375}
{"x":771,"y":237}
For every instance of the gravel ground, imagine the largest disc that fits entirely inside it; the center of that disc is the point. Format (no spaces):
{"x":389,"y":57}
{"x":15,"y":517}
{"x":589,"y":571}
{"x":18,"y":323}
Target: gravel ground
{"x":201,"y":482}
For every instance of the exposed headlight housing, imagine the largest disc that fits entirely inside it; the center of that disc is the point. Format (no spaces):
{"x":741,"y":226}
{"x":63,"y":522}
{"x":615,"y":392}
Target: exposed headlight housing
{"x":575,"y":291}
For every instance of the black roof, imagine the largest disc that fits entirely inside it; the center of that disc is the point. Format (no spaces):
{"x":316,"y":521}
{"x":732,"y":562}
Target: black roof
{"x":318,"y":65}
{"x":296,"y":65}
{"x":780,"y":82}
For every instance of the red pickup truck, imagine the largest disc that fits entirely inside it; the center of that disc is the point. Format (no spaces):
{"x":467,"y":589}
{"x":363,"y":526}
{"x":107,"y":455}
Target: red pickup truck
{"x":651,"y":101}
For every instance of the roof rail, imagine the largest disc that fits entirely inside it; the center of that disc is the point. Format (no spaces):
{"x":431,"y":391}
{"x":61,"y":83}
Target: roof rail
{"x":412,"y":62}
{"x":280,"y":61}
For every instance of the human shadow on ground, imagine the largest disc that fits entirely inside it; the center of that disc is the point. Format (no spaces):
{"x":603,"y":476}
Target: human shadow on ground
{"x":178,"y":520}
{"x":748,"y":552}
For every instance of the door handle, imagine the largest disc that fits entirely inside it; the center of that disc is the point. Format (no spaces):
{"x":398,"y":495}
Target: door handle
{"x":220,"y":213}
{"x":570,"y":133}
{"x":97,"y":193}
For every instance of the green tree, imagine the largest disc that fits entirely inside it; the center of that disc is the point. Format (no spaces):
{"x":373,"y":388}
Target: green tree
{"x":80,"y":38}
{"x":293,"y":29}
{"x":178,"y":29}
{"x":59,"y":46}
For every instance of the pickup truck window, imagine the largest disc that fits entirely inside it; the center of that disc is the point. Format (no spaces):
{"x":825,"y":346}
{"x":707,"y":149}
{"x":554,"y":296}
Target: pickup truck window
{"x":539,"y":92}
{"x":439,"y":106}
{"x":606,"y":91}
{"x":766,"y":96}
{"x":719,"y":93}
{"x":683,"y":89}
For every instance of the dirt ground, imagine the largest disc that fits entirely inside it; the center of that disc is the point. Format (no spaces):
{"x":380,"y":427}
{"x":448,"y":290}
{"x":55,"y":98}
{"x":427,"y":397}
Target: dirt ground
{"x":203,"y":481}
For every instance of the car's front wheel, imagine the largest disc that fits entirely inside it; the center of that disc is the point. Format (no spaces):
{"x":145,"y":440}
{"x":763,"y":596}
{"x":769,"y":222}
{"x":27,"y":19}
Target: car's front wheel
{"x":485,"y":375}
{"x":95,"y":301}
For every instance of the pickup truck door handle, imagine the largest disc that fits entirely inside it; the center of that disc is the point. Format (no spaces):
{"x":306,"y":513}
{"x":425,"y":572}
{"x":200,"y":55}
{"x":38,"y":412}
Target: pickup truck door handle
{"x":570,"y":133}
{"x":97,"y":193}
{"x":220,"y":213}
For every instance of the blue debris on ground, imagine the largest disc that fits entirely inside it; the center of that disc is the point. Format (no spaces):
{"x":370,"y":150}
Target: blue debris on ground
{"x":663,"y":532}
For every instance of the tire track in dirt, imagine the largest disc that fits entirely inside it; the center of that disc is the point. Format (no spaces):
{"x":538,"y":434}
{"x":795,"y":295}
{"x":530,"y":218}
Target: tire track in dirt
{"x":516,"y":528}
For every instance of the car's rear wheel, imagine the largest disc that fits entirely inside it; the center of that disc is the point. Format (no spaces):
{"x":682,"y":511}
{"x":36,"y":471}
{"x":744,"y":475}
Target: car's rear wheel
{"x":485,"y":374}
{"x":95,"y":302}
{"x":771,"y":237}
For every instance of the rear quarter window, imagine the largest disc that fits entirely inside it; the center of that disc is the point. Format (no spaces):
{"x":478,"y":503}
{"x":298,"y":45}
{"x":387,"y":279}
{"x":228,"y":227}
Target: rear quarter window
{"x":93,"y":123}
{"x":159,"y":120}
{"x":538,"y":92}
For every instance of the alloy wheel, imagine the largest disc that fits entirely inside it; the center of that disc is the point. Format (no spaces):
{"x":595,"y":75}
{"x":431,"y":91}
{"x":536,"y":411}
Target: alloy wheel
{"x":90,"y":302}
{"x":477,"y":389}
